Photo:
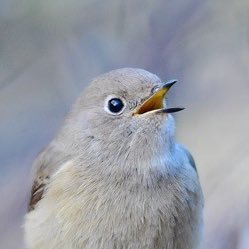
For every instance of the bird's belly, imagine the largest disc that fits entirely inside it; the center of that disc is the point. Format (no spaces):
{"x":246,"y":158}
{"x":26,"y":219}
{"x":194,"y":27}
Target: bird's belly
{"x":114,"y":217}
{"x":121,"y":223}
{"x":133,"y":226}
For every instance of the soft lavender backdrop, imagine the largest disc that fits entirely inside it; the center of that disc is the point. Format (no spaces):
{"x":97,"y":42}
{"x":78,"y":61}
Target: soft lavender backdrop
{"x":49,"y":50}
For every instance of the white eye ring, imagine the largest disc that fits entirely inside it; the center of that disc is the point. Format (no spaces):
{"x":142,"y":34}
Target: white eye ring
{"x":114,"y":105}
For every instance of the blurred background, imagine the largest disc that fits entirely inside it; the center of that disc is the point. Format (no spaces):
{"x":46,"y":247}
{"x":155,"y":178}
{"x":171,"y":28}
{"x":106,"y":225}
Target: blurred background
{"x":50,"y":50}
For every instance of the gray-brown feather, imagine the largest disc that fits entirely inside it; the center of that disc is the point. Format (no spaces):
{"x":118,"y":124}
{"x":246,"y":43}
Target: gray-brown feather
{"x":188,"y":154}
{"x":48,"y":161}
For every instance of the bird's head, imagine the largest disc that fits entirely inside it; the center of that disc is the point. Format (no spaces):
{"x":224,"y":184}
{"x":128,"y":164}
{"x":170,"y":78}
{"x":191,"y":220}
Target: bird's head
{"x":122,"y":114}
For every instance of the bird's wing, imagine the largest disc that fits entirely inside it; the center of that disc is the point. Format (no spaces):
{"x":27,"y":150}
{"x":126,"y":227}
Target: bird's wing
{"x":188,"y":155}
{"x":45,"y":165}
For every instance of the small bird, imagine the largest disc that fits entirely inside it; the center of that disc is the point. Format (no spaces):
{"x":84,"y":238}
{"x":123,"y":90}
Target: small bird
{"x":114,"y":176}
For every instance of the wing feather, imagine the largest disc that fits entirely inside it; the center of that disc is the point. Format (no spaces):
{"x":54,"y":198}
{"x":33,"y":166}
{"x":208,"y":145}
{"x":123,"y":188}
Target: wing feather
{"x":45,"y":165}
{"x":189,"y":156}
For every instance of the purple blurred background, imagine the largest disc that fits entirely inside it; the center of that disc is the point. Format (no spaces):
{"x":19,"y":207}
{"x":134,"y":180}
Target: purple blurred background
{"x":49,"y":51}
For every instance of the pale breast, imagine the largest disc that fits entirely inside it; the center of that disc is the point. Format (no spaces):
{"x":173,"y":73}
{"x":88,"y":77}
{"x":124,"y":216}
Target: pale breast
{"x":78,"y":211}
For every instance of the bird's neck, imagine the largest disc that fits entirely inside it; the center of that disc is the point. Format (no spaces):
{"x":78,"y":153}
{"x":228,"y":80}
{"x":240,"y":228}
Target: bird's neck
{"x":139,"y":166}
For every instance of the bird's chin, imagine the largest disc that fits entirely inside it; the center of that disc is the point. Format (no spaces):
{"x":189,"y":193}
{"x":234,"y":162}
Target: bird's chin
{"x":155,"y":122}
{"x":153,"y":135}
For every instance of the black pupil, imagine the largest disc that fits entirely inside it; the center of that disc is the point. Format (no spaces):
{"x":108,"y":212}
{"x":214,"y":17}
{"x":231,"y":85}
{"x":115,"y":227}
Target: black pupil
{"x":115,"y":105}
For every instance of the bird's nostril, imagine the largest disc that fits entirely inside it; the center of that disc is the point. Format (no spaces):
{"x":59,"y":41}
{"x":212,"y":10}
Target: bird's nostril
{"x":155,"y":89}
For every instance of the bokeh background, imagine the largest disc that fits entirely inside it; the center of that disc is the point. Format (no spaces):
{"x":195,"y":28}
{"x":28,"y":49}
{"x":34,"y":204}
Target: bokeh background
{"x":49,"y":51}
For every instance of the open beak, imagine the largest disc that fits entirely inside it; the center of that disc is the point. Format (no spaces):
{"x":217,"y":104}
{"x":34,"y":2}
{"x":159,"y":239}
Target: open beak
{"x":155,"y":103}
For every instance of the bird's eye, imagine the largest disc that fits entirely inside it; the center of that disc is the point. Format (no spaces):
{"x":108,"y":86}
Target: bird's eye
{"x":115,"y":105}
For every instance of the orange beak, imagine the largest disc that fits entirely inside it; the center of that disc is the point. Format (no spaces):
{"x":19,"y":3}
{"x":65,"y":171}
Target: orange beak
{"x":155,"y":103}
